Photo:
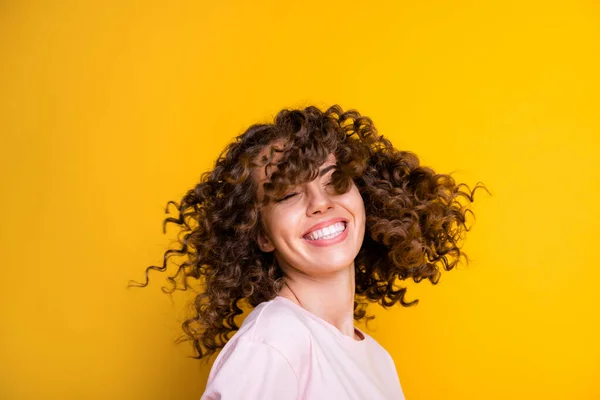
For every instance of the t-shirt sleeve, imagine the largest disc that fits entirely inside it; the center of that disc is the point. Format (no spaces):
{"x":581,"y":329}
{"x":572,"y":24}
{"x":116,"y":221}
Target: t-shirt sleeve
{"x":252,"y":371}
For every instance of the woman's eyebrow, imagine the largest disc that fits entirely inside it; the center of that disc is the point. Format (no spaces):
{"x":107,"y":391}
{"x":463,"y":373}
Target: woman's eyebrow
{"x":324,"y":170}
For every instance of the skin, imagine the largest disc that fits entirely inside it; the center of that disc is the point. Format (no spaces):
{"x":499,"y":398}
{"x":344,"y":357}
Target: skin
{"x":319,"y":279}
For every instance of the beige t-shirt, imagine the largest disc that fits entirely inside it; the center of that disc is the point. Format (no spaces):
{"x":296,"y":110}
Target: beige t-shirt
{"x":283,"y":351}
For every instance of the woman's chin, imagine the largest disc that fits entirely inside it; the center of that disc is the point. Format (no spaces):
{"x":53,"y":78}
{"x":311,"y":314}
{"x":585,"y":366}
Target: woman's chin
{"x":333,"y":265}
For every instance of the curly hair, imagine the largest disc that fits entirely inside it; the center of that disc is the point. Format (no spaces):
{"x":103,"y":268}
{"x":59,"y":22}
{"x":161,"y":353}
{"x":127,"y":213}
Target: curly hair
{"x":415,"y":220}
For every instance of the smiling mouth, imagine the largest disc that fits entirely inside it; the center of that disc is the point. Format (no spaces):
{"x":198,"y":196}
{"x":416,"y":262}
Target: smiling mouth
{"x":328,"y":233}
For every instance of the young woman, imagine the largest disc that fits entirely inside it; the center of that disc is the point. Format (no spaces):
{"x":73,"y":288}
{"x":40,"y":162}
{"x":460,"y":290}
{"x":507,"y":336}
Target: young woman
{"x":307,"y":220}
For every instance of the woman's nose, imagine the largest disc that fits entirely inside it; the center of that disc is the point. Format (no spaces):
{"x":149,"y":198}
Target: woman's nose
{"x":318,"y":200}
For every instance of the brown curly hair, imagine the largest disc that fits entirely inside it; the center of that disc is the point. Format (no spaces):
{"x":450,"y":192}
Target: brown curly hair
{"x":414,"y":217}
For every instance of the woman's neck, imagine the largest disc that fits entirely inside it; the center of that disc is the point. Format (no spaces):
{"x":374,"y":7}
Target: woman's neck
{"x":331,"y":298}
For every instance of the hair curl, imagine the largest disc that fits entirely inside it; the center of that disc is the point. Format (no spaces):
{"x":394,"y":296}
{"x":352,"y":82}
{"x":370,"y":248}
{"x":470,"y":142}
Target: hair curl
{"x":414,"y":223}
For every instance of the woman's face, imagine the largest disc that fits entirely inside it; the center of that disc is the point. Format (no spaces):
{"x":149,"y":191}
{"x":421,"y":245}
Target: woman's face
{"x":311,"y":228}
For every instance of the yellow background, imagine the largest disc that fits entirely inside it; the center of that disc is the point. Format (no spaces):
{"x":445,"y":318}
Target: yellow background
{"x":111,"y":109}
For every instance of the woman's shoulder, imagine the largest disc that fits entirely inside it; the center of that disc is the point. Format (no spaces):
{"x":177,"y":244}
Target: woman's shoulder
{"x":276,"y":324}
{"x":272,"y":327}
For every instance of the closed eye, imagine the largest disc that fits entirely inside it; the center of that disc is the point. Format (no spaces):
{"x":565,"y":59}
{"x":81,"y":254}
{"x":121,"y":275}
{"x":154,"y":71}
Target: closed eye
{"x":330,"y":171}
{"x":287,"y":196}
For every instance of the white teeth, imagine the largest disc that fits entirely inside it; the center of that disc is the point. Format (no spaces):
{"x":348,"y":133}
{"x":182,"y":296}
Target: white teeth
{"x":327,"y":232}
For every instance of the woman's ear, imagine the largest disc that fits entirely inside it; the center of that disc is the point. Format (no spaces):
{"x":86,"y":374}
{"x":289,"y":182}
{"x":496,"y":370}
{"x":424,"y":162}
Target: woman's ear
{"x":264,"y":243}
